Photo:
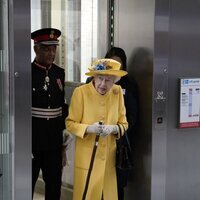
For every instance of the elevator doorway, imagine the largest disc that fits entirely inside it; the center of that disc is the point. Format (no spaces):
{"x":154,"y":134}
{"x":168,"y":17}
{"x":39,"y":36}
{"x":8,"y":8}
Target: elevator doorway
{"x":15,"y":100}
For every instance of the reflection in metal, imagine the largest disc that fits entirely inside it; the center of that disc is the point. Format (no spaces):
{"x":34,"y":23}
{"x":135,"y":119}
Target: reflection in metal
{"x":6,"y":172}
{"x":136,"y":37}
{"x":176,"y":161}
{"x":69,"y":88}
{"x":4,"y":143}
{"x":166,"y":158}
{"x":19,"y":49}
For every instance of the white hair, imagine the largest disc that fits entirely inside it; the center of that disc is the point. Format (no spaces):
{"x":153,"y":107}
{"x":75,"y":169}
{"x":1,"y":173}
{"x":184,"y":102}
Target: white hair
{"x":116,"y":78}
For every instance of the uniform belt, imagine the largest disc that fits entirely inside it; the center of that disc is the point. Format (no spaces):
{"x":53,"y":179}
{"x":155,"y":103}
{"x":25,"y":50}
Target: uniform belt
{"x":46,"y":113}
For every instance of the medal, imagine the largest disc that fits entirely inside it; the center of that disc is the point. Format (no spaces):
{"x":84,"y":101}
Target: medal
{"x":45,"y":87}
{"x":46,"y":78}
{"x":46,"y":81}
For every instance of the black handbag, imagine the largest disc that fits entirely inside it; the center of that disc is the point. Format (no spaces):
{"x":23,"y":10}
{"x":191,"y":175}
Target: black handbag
{"x":123,"y":153}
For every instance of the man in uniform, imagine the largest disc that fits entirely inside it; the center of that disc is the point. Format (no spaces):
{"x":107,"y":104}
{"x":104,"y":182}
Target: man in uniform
{"x":48,"y":112}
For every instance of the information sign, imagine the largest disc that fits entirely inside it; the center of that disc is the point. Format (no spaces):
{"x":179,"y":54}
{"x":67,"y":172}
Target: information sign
{"x":189,"y":103}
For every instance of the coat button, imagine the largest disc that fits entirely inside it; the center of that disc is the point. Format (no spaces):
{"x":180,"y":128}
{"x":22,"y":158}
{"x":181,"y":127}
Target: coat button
{"x":102,"y":118}
{"x":102,"y":103}
{"x":103,"y":144}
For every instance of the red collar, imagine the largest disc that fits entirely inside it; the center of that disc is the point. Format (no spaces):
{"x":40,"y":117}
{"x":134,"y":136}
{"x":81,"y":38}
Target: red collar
{"x":42,"y":66}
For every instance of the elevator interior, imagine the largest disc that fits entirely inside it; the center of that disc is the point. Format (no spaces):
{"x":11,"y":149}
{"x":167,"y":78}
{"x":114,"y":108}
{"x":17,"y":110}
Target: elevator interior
{"x":161,"y":39}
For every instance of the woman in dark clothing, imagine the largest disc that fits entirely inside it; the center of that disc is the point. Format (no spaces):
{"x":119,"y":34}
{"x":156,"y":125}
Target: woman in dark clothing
{"x":130,"y":99}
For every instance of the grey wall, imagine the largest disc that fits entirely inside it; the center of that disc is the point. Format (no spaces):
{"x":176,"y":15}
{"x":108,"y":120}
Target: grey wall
{"x":183,"y":145}
{"x":161,"y":39}
{"x":135,"y":34}
{"x":175,"y":152}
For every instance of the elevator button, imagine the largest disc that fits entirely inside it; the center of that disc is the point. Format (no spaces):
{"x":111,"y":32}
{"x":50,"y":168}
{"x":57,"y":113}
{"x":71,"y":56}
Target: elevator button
{"x":159,"y":120}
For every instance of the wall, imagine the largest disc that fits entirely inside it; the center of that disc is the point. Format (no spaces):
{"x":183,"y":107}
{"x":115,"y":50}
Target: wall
{"x":161,"y":42}
{"x":135,"y":34}
{"x":177,"y":48}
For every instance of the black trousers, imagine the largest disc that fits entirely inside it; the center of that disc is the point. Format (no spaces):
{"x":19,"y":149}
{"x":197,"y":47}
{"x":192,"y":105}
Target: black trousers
{"x":50,"y":163}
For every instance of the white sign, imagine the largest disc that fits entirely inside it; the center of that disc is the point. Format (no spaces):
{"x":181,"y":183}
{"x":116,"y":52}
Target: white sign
{"x":190,"y":103}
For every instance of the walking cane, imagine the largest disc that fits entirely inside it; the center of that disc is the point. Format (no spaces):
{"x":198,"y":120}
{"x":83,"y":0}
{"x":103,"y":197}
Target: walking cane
{"x":91,"y":164}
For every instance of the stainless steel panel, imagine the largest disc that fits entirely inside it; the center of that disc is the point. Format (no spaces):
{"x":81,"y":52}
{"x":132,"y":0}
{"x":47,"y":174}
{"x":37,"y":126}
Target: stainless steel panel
{"x":182,"y":161}
{"x":175,"y":163}
{"x":20,"y":90}
{"x":160,"y":100}
{"x":135,"y":34}
{"x":5,"y":154}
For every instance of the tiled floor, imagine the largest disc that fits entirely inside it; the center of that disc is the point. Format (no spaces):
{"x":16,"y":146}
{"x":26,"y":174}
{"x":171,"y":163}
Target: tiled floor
{"x":38,"y":196}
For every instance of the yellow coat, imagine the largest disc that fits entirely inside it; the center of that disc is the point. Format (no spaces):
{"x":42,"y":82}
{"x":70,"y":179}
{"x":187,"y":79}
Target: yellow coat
{"x":87,"y":107}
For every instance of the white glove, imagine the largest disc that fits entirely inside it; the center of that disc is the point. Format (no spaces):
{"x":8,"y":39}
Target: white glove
{"x":109,"y":129}
{"x":67,"y":139}
{"x":95,"y":128}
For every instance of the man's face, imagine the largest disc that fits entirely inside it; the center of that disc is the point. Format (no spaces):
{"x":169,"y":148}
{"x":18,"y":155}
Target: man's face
{"x":45,"y":54}
{"x":103,"y":83}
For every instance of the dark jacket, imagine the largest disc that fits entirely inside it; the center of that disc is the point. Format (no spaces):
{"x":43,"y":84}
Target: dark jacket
{"x":131,"y":104}
{"x":47,"y":131}
{"x":130,"y":100}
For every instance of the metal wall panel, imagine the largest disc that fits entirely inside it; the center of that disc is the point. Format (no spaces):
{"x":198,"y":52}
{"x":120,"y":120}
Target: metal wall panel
{"x":175,"y":163}
{"x":20,"y":76}
{"x":134,"y":32}
{"x":170,"y":29}
{"x":160,"y":100}
{"x":5,"y":155}
{"x":182,"y":161}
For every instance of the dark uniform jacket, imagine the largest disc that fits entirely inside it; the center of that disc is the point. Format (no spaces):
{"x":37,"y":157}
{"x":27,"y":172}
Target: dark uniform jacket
{"x":48,"y":108}
{"x":131,"y":104}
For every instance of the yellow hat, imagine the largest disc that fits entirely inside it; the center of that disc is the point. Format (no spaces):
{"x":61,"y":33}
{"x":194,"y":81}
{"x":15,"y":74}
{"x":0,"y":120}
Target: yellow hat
{"x":106,"y":67}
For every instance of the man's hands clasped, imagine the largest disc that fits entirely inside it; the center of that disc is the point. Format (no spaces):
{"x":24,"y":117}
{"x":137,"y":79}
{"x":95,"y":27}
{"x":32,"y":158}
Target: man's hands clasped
{"x":101,"y":129}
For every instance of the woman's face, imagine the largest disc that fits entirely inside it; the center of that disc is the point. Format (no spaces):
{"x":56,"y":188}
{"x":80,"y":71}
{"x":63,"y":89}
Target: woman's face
{"x":103,"y":83}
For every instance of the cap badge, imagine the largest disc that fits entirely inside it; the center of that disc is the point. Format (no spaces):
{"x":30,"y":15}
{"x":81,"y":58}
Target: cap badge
{"x":51,"y":35}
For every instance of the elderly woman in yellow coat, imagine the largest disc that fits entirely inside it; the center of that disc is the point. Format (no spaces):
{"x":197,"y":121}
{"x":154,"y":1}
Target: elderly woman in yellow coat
{"x":98,"y":101}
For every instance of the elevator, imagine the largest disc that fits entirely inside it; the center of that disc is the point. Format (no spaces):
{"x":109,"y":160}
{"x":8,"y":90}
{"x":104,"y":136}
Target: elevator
{"x":161,"y":40}
{"x":15,"y":100}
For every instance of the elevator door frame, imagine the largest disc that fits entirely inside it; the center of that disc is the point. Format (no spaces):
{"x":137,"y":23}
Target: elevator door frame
{"x":20,"y":97}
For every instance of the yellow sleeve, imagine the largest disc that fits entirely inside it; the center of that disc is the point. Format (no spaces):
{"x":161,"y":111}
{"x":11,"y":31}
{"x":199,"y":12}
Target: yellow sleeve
{"x":73,"y":121}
